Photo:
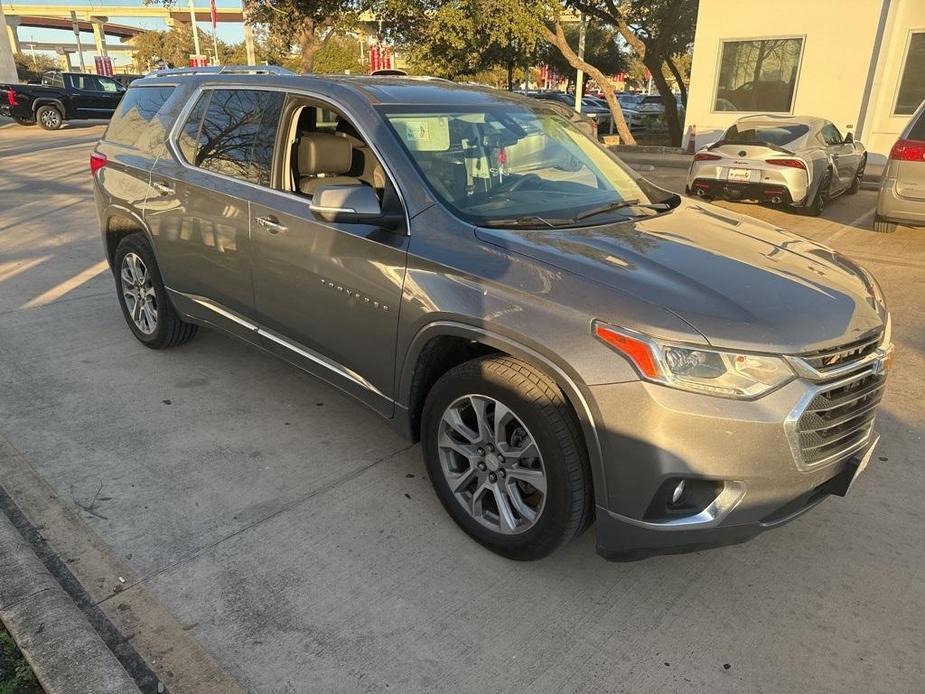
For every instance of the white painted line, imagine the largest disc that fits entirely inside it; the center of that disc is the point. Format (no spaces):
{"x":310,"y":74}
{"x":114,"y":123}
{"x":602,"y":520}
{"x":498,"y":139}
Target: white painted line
{"x":853,"y":224}
{"x":67,"y":286}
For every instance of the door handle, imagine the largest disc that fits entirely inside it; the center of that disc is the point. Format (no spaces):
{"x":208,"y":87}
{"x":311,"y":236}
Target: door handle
{"x":270,"y":224}
{"x":162,"y":188}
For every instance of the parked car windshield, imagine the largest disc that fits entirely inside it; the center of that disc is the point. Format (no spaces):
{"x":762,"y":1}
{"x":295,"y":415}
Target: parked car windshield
{"x":778,"y":135}
{"x":510,"y":161}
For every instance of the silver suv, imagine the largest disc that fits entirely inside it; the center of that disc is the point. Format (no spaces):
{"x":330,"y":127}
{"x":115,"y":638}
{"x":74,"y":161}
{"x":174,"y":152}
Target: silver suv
{"x":902,"y":186}
{"x":568,"y":341}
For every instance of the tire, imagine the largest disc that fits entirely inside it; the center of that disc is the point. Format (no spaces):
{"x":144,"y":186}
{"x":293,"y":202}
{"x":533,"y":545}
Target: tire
{"x":858,"y":177}
{"x":49,"y":117}
{"x":538,"y":413}
{"x":154,"y":323}
{"x":822,"y":196}
{"x":884,"y":226}
{"x":22,"y":120}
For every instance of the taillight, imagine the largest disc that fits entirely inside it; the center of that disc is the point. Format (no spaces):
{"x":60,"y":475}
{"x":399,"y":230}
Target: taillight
{"x":11,"y":97}
{"x":706,"y":156}
{"x":792,"y":163}
{"x":97,"y":162}
{"x":637,"y":351}
{"x":908,"y":150}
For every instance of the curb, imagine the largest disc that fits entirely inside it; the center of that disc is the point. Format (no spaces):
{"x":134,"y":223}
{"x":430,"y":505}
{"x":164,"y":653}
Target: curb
{"x":65,"y":652}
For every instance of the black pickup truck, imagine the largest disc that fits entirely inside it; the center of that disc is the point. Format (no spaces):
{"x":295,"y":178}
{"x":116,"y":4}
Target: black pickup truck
{"x":62,"y":96}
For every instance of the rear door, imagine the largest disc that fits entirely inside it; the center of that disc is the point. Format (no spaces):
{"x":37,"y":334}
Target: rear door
{"x":328,"y":293}
{"x":88,"y":100}
{"x":111,"y":94}
{"x":200,"y":218}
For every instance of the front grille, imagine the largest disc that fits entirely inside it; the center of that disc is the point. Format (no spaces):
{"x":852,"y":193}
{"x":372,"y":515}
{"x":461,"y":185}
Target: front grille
{"x":844,"y":354}
{"x":839,"y":419}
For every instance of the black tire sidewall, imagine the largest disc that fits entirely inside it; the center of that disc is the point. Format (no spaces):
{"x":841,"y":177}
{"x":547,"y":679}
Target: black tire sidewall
{"x":138,"y":244}
{"x":551,"y":529}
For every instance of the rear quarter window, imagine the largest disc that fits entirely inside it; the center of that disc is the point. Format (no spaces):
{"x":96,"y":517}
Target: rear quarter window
{"x":136,"y":122}
{"x":917,"y":131}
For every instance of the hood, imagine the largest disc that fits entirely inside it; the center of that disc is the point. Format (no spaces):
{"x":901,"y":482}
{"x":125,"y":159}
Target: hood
{"x":741,"y":283}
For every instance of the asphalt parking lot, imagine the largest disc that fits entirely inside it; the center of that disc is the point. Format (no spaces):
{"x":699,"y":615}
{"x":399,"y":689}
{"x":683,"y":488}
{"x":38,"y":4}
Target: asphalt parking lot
{"x":240,"y":522}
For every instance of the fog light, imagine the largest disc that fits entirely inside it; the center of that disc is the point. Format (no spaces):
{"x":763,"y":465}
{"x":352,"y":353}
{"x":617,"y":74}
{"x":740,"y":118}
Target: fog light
{"x":678,"y":492}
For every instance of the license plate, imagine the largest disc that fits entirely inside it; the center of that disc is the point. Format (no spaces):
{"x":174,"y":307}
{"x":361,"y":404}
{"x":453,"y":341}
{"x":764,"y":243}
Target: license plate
{"x":739,"y":175}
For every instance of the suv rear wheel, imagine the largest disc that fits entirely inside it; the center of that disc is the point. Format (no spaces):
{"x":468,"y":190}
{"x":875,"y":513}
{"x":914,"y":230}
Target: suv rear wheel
{"x":504,"y":453}
{"x":147,"y":310}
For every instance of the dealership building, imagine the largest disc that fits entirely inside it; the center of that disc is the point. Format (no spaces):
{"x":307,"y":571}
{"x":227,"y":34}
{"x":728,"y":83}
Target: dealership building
{"x":858,"y":63}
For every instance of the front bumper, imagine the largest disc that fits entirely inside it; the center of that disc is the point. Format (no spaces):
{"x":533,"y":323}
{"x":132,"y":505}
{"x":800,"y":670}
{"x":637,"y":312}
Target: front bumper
{"x":741,"y":451}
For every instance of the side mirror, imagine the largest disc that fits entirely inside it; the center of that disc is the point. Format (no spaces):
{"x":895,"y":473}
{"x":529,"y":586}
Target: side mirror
{"x":351,"y":204}
{"x":849,"y":138}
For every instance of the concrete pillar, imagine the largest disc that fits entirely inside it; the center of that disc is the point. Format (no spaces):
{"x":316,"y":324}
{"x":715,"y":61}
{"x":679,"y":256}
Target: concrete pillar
{"x":12,"y":30}
{"x":7,"y":64}
{"x":65,"y":59}
{"x":99,"y":34}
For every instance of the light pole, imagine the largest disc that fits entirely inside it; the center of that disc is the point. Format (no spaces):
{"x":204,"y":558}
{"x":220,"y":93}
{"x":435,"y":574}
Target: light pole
{"x":80,"y":50}
{"x":580,"y":76}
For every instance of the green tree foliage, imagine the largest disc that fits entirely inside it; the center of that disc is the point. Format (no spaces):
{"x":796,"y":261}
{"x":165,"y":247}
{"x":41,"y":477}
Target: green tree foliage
{"x":29,"y":69}
{"x":460,"y":38}
{"x":340,"y":55}
{"x":174,"y":47}
{"x":310,"y":24}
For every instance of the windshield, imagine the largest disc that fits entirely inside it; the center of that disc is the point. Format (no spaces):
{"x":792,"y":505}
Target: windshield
{"x":778,"y":135}
{"x":511,"y":161}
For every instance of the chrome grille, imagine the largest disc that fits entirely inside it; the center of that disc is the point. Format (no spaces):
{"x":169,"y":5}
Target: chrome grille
{"x":825,"y":359}
{"x":839,"y":419}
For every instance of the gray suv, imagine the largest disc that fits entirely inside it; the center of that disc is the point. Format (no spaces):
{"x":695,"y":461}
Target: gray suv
{"x":569,"y":342}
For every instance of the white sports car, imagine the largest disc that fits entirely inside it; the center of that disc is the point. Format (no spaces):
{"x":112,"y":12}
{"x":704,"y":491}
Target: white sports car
{"x":790,"y":160}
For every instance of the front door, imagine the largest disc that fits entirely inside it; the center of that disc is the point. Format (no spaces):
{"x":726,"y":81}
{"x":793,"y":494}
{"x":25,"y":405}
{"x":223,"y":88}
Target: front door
{"x":843,"y":157}
{"x":199,"y":209}
{"x":327,"y":293}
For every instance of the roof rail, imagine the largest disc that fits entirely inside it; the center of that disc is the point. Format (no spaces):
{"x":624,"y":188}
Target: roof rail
{"x":223,"y":70}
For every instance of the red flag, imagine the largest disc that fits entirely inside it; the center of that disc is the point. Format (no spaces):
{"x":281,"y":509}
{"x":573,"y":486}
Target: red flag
{"x":214,"y":14}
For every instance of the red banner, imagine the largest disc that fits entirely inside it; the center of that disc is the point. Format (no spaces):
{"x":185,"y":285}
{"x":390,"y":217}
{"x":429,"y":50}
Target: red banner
{"x":103,"y":65}
{"x":214,"y":13}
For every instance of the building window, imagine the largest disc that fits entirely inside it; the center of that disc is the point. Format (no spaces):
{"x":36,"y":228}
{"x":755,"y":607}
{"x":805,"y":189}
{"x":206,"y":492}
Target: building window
{"x":758,"y":75}
{"x":912,"y":84}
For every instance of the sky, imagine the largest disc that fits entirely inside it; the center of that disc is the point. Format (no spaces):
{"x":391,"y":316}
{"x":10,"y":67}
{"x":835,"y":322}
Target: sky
{"x":231,"y":32}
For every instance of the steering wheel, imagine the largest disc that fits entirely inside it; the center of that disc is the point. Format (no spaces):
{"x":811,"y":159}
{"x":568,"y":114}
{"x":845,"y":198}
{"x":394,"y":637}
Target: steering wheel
{"x":518,"y":183}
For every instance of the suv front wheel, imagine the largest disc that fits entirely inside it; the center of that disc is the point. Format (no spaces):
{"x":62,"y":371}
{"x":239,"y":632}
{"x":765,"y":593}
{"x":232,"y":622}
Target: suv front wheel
{"x":147,"y":310}
{"x":505,"y":455}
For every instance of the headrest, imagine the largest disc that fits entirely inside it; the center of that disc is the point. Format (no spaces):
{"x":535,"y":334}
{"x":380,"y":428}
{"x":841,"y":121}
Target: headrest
{"x":323,"y":153}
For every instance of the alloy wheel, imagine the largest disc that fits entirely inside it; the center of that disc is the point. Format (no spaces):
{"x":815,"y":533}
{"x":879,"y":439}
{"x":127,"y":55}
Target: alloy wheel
{"x":50,"y":118}
{"x":492,"y":464}
{"x":138,"y":291}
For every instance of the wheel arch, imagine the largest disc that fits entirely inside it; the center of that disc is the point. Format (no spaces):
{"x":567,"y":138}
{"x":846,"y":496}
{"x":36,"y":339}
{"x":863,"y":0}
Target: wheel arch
{"x":46,"y":101}
{"x":118,"y":223}
{"x":419,"y":371}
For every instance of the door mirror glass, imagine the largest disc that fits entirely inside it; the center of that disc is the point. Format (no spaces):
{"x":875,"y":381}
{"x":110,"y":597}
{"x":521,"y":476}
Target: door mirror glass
{"x":350,"y":204}
{"x":849,"y":138}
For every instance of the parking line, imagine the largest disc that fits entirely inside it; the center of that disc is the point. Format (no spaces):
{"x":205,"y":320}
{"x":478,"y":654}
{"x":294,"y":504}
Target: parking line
{"x":845,"y":228}
{"x":67,"y":286}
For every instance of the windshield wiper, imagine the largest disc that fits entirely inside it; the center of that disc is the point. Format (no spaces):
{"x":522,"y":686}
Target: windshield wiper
{"x":619,"y":204}
{"x":526,"y":221}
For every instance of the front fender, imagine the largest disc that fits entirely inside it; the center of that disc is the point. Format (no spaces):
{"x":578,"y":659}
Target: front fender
{"x":565,"y":378}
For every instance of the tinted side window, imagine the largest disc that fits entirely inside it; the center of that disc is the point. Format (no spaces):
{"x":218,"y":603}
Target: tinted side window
{"x":917,"y":132}
{"x":134,"y":122}
{"x":87,"y":83}
{"x":233,"y":133}
{"x":831,"y":135}
{"x":108,"y":85}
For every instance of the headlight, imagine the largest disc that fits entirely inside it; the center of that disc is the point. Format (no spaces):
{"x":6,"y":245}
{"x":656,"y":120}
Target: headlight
{"x":703,"y":370}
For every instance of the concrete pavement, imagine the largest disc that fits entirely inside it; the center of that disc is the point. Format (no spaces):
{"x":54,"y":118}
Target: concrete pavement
{"x":278,"y":535}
